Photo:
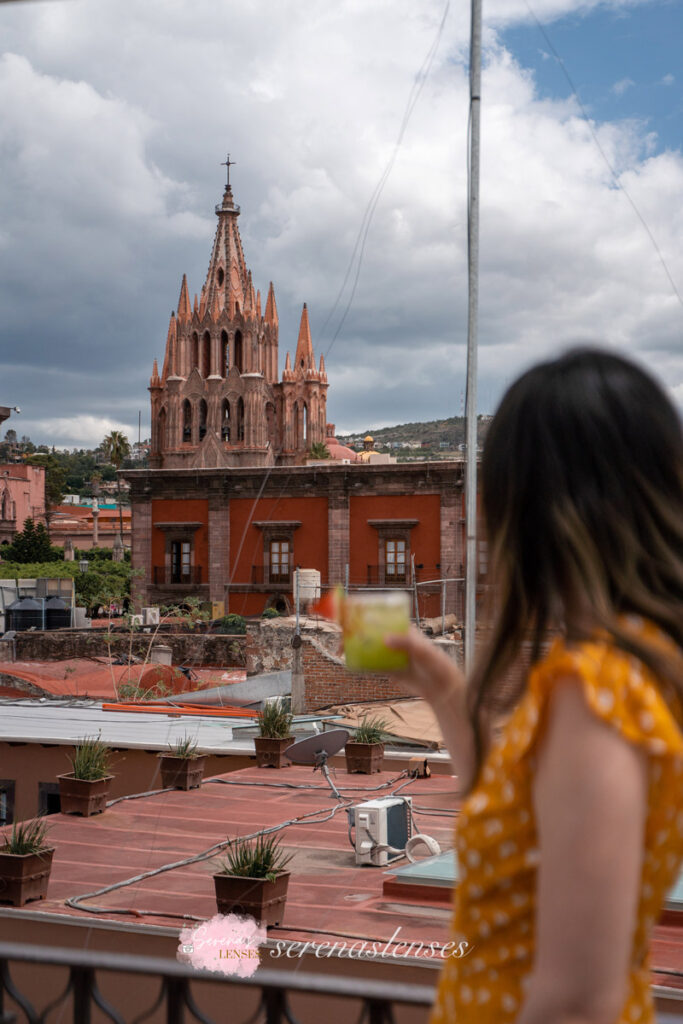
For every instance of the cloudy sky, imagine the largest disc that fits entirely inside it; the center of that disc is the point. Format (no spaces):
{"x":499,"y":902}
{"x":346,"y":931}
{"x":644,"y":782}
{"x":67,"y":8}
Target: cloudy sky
{"x":116,"y":114}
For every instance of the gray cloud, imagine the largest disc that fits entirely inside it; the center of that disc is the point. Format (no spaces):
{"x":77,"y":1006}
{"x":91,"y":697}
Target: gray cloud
{"x":115,"y":117}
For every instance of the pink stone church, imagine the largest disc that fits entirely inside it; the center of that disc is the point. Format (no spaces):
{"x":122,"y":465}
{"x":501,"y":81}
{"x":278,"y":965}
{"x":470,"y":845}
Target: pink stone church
{"x":218,"y":401}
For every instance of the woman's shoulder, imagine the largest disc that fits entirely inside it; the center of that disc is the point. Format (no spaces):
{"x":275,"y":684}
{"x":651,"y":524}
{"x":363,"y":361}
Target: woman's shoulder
{"x":617,"y":685}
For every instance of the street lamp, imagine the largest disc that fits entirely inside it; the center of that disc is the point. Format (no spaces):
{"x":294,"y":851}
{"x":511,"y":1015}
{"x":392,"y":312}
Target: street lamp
{"x":83,"y":565}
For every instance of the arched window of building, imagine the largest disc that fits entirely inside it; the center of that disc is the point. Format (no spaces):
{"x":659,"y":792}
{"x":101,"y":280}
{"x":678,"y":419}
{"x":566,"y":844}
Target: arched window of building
{"x":202,"y":420}
{"x":240,"y":419}
{"x":206,"y":355}
{"x":225,"y":354}
{"x":239,"y":357}
{"x":225,"y":421}
{"x":187,"y":422}
{"x":296,"y":425}
{"x":271,"y":424}
{"x":305,"y":425}
{"x":162,"y":429}
{"x":194,"y":351}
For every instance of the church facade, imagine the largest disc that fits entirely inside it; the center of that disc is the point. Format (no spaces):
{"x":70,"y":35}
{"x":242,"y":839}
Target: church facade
{"x":218,"y":401}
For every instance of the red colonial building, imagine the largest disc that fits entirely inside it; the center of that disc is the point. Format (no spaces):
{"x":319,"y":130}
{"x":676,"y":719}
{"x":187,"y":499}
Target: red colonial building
{"x":236,"y":535}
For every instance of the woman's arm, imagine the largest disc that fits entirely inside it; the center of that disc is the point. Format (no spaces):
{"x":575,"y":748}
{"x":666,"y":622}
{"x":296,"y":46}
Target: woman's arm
{"x":438,"y":680}
{"x":590,"y":798}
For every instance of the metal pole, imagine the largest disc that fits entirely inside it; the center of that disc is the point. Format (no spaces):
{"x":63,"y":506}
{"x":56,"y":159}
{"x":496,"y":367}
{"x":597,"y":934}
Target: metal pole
{"x":346,"y":578}
{"x":443,"y":608}
{"x":298,"y":591}
{"x":472,"y":330}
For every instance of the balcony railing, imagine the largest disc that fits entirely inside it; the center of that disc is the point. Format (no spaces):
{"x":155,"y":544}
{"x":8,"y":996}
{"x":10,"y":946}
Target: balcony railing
{"x":179,"y":985}
{"x":164,"y":576}
{"x":271,"y":574}
{"x":400,"y":574}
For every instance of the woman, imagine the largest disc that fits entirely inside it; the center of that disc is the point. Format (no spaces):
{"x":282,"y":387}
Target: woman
{"x":571,"y":831}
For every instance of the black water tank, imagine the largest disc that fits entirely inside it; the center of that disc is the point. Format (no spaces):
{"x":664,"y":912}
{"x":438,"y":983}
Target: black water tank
{"x":25,"y":613}
{"x":57,"y":614}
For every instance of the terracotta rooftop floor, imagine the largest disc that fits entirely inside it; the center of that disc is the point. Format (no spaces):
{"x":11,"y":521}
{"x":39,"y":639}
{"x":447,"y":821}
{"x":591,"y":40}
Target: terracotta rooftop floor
{"x":328,"y":893}
{"x":95,"y":677}
{"x":329,"y":896}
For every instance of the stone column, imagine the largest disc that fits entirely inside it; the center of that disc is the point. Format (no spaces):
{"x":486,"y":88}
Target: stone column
{"x":337,"y":534}
{"x":219,"y":546}
{"x":452,"y":554}
{"x":141,"y":551}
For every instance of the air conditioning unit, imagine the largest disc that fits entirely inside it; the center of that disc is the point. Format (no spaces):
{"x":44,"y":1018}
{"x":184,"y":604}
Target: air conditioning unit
{"x":151,"y":616}
{"x":382,"y":829}
{"x":136,"y":620}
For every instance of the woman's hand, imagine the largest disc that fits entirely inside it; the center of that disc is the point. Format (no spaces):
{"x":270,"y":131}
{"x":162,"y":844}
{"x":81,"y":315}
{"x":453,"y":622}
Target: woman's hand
{"x":431,"y":675}
{"x":438,"y":680}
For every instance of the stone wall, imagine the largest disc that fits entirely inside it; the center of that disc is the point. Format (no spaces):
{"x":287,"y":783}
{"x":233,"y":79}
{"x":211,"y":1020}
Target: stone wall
{"x":328,"y":681}
{"x":269,"y":642}
{"x":188,"y":648}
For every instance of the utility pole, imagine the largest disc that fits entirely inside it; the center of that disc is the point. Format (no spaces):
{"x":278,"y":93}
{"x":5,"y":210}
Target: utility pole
{"x":472,"y":331}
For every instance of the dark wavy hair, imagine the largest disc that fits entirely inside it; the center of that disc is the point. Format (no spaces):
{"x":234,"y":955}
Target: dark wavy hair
{"x":582,"y":495}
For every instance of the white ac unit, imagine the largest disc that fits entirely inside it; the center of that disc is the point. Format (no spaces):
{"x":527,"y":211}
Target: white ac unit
{"x":382,"y":829}
{"x":136,"y":620}
{"x":151,"y":616}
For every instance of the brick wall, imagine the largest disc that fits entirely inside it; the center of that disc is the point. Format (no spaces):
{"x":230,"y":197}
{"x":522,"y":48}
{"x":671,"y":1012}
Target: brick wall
{"x":328,"y":681}
{"x":269,"y":643}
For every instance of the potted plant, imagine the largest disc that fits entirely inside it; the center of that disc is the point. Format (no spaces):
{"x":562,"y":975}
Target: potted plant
{"x":275,"y":727}
{"x":25,"y":863}
{"x":252,"y":879}
{"x":183,"y":767}
{"x":365,"y":752}
{"x":85,"y":789}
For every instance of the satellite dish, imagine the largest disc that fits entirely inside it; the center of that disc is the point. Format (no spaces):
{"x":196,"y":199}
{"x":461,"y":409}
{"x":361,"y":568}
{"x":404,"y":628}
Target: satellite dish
{"x":311,"y":750}
{"x":315,"y":750}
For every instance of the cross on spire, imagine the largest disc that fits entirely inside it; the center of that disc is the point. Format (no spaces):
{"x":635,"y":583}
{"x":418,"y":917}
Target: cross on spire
{"x":228,"y":163}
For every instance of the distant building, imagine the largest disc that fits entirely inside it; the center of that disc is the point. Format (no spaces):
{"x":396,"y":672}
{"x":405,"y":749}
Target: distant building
{"x":22,"y":497}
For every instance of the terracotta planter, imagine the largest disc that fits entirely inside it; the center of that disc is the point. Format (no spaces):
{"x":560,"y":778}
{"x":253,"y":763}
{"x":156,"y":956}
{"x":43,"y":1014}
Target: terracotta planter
{"x":364,"y":757}
{"x":182,"y":772}
{"x":270,"y":751}
{"x":257,"y":897}
{"x":24,"y":876}
{"x":83,"y":796}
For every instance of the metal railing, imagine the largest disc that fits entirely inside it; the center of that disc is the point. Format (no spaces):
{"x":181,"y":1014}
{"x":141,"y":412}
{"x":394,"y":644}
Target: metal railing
{"x":271,"y":574}
{"x":399,"y":574}
{"x":178,"y":985}
{"x":164,"y":576}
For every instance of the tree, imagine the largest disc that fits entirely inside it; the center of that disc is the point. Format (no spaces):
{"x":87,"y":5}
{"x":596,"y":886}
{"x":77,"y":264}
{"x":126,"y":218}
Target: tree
{"x":55,"y":479}
{"x":32,"y":544}
{"x":116,"y":448}
{"x":319,"y":450}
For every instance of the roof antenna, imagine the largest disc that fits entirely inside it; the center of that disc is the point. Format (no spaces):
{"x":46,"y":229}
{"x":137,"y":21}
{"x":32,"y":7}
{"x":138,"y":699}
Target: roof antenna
{"x":316,"y":750}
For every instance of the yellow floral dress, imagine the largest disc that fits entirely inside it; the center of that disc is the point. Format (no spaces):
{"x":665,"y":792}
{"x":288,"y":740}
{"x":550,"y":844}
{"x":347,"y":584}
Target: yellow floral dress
{"x":496,"y":838}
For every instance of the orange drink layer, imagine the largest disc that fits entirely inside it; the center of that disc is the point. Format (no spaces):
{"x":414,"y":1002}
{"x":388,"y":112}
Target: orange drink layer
{"x":366,"y":620}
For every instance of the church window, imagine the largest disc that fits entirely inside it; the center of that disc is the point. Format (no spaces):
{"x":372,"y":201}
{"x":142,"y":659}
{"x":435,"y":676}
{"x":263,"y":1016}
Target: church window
{"x":305,"y":430}
{"x":239,"y":357}
{"x":202,"y":420}
{"x":280,"y":561}
{"x":194,"y":354}
{"x":220,"y":277}
{"x":187,"y":422}
{"x":225,"y":420}
{"x":225,"y":353}
{"x":241,"y":419}
{"x":162,"y":429}
{"x":206,"y":355}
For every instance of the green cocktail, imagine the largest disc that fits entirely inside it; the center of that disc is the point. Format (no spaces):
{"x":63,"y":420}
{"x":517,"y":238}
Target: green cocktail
{"x":367,"y":619}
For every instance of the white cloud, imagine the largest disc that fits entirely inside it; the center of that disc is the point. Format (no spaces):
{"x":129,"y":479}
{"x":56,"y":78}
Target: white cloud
{"x":667,"y":80}
{"x":620,"y":87}
{"x":74,"y":431}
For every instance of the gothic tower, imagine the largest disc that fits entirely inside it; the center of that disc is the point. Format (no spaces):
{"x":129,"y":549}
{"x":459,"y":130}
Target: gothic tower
{"x":218,"y":401}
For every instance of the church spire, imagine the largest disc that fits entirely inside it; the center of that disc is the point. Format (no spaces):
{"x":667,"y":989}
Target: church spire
{"x":184,"y":310}
{"x":271,"y":309}
{"x":304,"y":359}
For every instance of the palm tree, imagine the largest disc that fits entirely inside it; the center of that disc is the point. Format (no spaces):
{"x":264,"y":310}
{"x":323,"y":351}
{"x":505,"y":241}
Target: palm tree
{"x":116,"y":448}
